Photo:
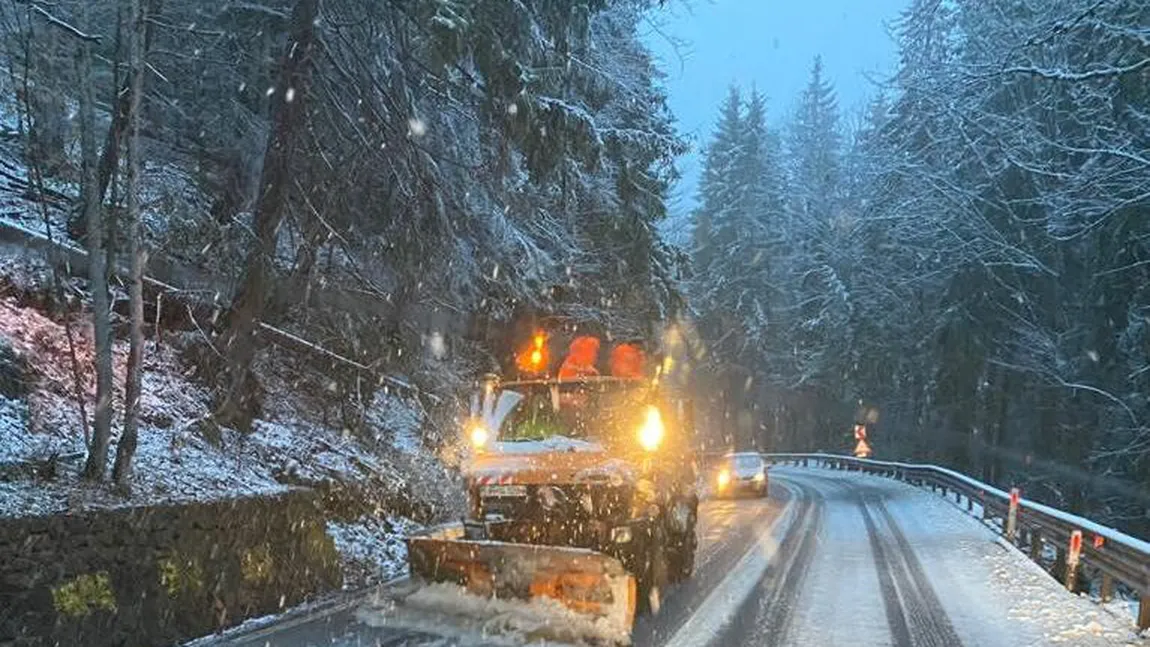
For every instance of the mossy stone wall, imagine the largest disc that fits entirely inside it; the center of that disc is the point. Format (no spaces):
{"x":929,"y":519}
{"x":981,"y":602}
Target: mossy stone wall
{"x":160,"y":575}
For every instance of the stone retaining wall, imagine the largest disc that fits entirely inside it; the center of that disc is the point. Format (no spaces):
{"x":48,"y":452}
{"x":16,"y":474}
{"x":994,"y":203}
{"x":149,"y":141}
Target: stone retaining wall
{"x":160,"y":575}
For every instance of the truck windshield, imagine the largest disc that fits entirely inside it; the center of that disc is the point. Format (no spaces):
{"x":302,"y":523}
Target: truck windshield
{"x":583,"y":411}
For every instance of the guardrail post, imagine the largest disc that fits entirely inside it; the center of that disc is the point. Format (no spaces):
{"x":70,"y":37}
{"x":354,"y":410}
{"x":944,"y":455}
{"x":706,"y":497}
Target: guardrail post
{"x":1012,"y":515}
{"x":1073,"y":557}
{"x":1144,"y":612}
{"x":1035,"y":546}
{"x":969,"y":503}
{"x":1107,"y":589}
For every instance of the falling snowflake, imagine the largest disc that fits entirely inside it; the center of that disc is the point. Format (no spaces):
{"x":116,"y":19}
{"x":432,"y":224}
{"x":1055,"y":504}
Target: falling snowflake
{"x":437,"y":345}
{"x":416,"y":127}
{"x":289,"y":96}
{"x":513,"y":109}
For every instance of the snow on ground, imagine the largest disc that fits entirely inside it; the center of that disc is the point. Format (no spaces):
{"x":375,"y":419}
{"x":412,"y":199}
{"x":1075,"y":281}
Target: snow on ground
{"x":15,"y":441}
{"x":388,"y":412}
{"x":236,"y":634}
{"x":175,"y":460}
{"x":15,"y":205}
{"x":373,"y":549}
{"x":841,"y":575}
{"x":442,"y":607}
{"x":966,"y":549}
{"x":992,"y":593}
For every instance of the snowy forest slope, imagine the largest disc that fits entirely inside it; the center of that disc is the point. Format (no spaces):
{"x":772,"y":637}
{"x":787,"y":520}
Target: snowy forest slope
{"x":391,"y":181}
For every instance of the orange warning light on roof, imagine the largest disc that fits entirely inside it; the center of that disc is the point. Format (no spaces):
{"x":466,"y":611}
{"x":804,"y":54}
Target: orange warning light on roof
{"x":581,"y":358}
{"x":535,"y":357}
{"x":627,"y":360}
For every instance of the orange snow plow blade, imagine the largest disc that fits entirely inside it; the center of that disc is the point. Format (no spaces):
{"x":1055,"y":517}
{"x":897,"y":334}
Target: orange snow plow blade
{"x":588,"y":583}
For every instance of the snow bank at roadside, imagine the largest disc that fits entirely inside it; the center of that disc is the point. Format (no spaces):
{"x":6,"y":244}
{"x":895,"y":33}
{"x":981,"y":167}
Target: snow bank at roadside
{"x":441,"y":607}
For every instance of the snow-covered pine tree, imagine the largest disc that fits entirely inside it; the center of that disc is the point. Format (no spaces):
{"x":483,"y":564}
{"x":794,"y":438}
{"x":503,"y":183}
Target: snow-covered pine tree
{"x":738,"y":235}
{"x":815,"y":147}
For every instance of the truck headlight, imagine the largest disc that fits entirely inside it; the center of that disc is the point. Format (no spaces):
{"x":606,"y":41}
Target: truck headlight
{"x":760,"y":477}
{"x":651,"y":432}
{"x":724,"y":479}
{"x":479,"y":436}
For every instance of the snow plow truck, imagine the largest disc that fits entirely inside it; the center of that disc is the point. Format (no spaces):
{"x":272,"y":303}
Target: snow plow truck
{"x":581,"y":485}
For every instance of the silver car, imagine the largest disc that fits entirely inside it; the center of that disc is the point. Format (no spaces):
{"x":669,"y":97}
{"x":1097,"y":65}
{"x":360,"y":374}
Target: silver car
{"x":741,"y":473}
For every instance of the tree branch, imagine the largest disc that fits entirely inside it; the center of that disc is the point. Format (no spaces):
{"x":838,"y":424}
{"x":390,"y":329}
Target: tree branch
{"x":53,"y":20}
{"x":1062,"y":75}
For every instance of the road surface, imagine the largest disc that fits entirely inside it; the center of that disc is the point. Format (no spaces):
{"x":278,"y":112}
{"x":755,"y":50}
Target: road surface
{"x":828,"y":559}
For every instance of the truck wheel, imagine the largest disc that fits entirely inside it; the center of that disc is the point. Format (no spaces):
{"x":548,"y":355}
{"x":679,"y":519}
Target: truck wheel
{"x":682,"y":558}
{"x":653,"y":576}
{"x":683,"y":562}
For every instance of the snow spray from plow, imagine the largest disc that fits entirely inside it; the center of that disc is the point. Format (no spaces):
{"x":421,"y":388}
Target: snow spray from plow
{"x":589,"y":593}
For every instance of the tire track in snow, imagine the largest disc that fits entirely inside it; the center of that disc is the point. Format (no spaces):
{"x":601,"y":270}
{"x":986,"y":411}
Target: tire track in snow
{"x":936,"y":626}
{"x":895,"y":618}
{"x":914,"y":613}
{"x":714,"y":562}
{"x":765,"y":616}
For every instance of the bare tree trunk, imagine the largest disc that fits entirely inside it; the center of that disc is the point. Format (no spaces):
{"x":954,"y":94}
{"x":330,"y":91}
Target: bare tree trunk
{"x":111,"y":226}
{"x":288,"y":111}
{"x":97,"y":274}
{"x":122,"y":472}
{"x":122,"y":107}
{"x":36,"y":178}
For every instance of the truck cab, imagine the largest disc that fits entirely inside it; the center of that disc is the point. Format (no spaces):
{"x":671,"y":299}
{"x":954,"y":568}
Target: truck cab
{"x":601,"y":462}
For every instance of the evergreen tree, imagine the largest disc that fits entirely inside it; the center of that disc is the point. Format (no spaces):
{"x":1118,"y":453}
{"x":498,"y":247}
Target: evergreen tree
{"x":719,"y":194}
{"x":739,"y":227}
{"x":815,"y":147}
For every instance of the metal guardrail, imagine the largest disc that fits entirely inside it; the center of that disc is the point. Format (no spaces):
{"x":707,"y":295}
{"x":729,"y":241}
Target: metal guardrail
{"x":1117,"y":556}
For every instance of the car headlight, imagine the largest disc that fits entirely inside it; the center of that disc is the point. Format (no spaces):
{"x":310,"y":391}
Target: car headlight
{"x":724,"y":479}
{"x":760,"y":477}
{"x":651,"y":432}
{"x":479,"y":436}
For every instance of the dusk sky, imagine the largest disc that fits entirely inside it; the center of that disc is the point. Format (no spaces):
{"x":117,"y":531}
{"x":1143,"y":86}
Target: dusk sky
{"x":705,"y":45}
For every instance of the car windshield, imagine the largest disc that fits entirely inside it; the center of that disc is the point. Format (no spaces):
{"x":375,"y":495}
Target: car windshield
{"x":584,"y":411}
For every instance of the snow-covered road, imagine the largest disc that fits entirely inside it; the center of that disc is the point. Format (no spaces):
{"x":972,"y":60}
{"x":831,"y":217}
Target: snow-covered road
{"x":831,"y":558}
{"x":897,"y":565}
